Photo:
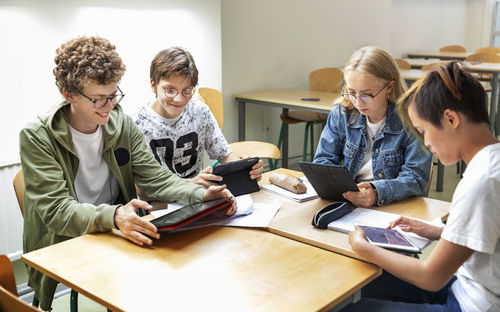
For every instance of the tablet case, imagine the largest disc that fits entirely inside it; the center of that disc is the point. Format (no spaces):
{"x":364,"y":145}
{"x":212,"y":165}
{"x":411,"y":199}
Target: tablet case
{"x":235,"y":175}
{"x":329,"y":181}
{"x":189,"y":213}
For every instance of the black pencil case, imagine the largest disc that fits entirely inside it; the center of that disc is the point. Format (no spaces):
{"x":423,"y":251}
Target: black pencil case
{"x":331,"y":212}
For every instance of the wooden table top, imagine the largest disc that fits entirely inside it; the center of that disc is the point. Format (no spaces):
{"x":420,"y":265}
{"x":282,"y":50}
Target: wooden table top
{"x":208,"y":268}
{"x":292,"y":97}
{"x":293,"y":220}
{"x":438,"y":54}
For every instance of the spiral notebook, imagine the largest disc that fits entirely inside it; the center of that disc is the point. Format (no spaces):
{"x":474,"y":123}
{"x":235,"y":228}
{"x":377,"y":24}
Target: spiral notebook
{"x":376,"y":218}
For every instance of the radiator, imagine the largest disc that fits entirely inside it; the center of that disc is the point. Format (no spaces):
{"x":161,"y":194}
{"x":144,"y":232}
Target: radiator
{"x":11,"y":220}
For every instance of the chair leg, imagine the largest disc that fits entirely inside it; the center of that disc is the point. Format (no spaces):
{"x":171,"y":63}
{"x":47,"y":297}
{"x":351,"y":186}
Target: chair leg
{"x":275,"y":162}
{"x":35,"y":302}
{"x":73,"y":301}
{"x":312,"y":142}
{"x":271,"y":164}
{"x":306,"y":135}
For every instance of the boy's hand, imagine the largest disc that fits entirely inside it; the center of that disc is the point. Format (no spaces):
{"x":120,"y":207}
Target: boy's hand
{"x":216,"y":192}
{"x":364,"y":198}
{"x":132,"y":226}
{"x":256,"y":172}
{"x":206,"y":178}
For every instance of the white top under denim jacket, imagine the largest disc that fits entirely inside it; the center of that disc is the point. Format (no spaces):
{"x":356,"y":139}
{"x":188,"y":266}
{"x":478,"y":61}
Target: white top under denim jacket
{"x":401,"y":165}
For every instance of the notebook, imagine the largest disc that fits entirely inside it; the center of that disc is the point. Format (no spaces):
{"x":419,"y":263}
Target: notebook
{"x":308,"y":195}
{"x":376,"y":218}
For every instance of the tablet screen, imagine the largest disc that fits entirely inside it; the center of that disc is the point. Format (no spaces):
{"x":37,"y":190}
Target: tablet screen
{"x":388,"y":238}
{"x":186,"y":212}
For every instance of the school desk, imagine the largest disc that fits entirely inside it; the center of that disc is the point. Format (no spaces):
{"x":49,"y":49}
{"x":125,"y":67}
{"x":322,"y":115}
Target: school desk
{"x":211,"y":268}
{"x":445,"y":55}
{"x":293,"y":220}
{"x":286,"y":99}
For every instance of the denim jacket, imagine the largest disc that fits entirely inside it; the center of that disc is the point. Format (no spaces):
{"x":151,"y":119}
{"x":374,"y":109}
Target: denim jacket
{"x":401,"y":165}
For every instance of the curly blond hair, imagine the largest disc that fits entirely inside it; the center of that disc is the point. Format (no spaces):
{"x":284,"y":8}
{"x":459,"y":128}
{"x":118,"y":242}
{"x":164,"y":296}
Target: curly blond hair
{"x":83,"y":60}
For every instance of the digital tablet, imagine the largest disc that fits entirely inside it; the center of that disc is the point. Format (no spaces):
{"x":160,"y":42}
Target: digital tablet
{"x":390,"y":239}
{"x":329,"y":181}
{"x":235,"y":175}
{"x":189,"y":213}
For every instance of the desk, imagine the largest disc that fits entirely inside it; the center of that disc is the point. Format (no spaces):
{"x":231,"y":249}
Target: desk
{"x":440,"y":55}
{"x":293,"y":220}
{"x":211,"y":268}
{"x":286,"y":99}
{"x":418,"y":63}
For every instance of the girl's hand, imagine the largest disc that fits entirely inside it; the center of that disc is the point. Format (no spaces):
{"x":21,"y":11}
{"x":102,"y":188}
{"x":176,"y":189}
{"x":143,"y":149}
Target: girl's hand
{"x":364,"y":198}
{"x":423,"y":229}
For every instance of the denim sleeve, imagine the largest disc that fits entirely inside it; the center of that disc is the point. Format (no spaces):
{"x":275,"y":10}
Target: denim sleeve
{"x":412,"y":179}
{"x":331,"y":142}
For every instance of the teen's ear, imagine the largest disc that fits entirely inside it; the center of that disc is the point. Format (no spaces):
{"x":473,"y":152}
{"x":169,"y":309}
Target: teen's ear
{"x":68,"y":96}
{"x":390,"y":86}
{"x":153,"y":86}
{"x":451,"y":118}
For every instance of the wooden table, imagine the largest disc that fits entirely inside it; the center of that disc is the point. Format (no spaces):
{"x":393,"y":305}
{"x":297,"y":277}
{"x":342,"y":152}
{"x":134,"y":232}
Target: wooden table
{"x":293,"y":220}
{"x":440,"y":55}
{"x":211,"y":268}
{"x":286,"y":99}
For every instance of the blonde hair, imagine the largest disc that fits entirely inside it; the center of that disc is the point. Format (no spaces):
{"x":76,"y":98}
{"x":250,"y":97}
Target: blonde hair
{"x":378,"y":63}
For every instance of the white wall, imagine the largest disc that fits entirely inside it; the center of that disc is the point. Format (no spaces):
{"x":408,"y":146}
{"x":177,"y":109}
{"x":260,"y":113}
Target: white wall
{"x":275,"y":44}
{"x":30,"y":32}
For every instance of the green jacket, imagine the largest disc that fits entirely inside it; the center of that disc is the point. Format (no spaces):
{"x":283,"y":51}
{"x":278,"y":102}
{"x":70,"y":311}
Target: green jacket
{"x":49,"y":163}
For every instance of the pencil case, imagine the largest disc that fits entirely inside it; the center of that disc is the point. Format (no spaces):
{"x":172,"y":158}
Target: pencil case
{"x":331,"y":212}
{"x":288,"y":183}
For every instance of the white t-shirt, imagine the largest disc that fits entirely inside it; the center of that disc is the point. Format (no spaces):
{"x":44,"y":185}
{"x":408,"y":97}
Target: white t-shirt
{"x":94,"y":183}
{"x":178,"y":143}
{"x":474,"y":222}
{"x":365,"y":172}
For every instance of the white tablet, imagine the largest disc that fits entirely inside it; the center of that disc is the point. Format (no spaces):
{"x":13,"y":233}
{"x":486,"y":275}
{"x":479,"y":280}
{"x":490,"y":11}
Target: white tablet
{"x":390,"y":239}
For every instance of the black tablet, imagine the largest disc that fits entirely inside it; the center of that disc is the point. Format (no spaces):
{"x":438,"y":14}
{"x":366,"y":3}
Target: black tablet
{"x":390,"y":239}
{"x":329,"y":181}
{"x":189,"y":213}
{"x":235,"y":175}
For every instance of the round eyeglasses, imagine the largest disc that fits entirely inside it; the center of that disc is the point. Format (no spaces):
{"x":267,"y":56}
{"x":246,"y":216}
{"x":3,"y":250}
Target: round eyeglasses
{"x":365,"y":98}
{"x":172,"y":92}
{"x":101,"y":102}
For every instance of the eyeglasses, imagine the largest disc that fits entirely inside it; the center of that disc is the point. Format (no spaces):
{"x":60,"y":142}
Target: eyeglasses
{"x":101,"y":102}
{"x":172,"y":92}
{"x":365,"y":98}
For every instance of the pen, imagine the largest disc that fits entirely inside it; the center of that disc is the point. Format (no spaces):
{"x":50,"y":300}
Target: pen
{"x":216,"y":162}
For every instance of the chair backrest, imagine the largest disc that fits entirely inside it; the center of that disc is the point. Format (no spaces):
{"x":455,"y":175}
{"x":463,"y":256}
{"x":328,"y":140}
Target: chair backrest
{"x":327,"y":79}
{"x":213,"y":98}
{"x":19,"y":189}
{"x":7,"y":279}
{"x":433,"y":66}
{"x":255,"y":149}
{"x":493,"y":50}
{"x":402,"y":64}
{"x":452,"y":48}
{"x":9,"y":302}
{"x":483,"y":57}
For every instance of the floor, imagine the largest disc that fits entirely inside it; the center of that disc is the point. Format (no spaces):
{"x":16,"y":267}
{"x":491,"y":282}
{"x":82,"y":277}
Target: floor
{"x":451,"y":179}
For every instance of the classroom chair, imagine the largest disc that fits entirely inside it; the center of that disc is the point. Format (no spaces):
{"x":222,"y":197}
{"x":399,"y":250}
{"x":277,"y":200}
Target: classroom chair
{"x":213,"y":99}
{"x":19,"y":190}
{"x":402,"y":64}
{"x":452,"y":48}
{"x":494,"y":50}
{"x":327,"y":79}
{"x":9,"y":301}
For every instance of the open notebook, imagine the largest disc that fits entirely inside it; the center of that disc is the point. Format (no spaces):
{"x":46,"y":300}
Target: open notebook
{"x":377,"y":218}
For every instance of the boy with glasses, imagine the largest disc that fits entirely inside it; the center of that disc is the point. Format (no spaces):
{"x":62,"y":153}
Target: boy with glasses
{"x":177,"y":127}
{"x":365,"y":134}
{"x":81,"y":161}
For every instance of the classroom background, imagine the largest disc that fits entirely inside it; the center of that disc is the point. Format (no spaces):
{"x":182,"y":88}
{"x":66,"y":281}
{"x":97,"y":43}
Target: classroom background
{"x":238,"y":46}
